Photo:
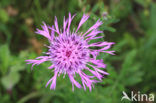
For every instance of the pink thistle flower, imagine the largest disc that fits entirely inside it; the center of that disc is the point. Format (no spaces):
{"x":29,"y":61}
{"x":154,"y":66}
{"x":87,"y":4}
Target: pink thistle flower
{"x":70,"y":52}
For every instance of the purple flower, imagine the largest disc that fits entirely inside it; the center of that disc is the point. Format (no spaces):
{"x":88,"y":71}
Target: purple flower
{"x":71,"y":52}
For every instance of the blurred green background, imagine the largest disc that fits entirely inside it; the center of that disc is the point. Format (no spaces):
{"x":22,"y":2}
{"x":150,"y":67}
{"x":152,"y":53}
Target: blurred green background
{"x":129,"y":23}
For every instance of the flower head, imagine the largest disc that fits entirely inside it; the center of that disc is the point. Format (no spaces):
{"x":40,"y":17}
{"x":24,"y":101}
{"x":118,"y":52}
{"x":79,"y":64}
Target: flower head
{"x":70,"y":52}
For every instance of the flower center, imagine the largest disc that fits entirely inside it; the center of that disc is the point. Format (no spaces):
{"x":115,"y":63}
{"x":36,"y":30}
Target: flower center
{"x":68,"y":53}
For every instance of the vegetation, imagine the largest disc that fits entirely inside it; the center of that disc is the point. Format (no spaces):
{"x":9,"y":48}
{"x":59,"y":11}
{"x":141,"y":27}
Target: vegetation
{"x":131,"y":24}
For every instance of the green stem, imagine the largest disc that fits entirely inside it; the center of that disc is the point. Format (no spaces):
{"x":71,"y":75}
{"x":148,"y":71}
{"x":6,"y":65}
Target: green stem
{"x":30,"y":96}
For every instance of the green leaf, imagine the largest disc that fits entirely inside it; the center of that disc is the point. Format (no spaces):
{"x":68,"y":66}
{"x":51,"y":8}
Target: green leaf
{"x":129,"y":59}
{"x":17,"y":67}
{"x":143,"y":3}
{"x":10,"y":80}
{"x":130,"y":39}
{"x":4,"y":16}
{"x":5,"y":58}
